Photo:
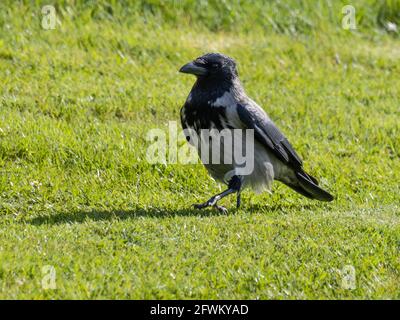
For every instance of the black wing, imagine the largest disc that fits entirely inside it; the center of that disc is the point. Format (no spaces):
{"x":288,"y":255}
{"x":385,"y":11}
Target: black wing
{"x":181,"y":116}
{"x":266,"y":132}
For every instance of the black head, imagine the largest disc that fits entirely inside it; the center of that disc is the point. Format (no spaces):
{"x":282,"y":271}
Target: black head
{"x":212,"y":65}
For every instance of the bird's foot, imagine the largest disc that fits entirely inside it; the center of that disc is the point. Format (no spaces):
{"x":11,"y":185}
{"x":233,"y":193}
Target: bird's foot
{"x":221,"y":209}
{"x":211,"y":203}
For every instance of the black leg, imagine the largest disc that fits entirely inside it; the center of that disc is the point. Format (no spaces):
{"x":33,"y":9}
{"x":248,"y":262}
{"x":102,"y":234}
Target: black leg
{"x":238,"y":200}
{"x":233,"y":187}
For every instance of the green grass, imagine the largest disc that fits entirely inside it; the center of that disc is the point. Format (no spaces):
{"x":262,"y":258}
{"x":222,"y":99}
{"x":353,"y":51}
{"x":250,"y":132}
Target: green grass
{"x":76,"y":192}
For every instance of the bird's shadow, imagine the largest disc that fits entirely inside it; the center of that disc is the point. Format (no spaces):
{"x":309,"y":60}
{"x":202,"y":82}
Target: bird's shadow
{"x":80,"y":216}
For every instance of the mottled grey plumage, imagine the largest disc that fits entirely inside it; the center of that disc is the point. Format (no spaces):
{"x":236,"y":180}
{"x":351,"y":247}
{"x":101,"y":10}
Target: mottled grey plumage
{"x":217,"y":100}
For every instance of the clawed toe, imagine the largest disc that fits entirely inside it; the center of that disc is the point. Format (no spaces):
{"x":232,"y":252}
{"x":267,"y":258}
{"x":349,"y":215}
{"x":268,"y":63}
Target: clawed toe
{"x":221,"y":209}
{"x":208,"y":204}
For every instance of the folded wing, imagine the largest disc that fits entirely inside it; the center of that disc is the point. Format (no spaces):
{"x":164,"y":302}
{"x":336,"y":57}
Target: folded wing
{"x":266,"y":132}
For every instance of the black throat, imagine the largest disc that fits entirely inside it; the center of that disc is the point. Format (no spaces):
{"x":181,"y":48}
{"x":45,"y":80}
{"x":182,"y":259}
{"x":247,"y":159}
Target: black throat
{"x":198,"y":110}
{"x":208,"y":89}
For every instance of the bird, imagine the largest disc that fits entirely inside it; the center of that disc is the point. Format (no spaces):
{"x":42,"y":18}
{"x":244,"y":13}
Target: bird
{"x":218,"y":101}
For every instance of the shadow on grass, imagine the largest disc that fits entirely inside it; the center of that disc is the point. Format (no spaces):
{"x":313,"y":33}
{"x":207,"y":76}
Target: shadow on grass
{"x":107,"y":215}
{"x":104,"y":215}
{"x":285,"y":207}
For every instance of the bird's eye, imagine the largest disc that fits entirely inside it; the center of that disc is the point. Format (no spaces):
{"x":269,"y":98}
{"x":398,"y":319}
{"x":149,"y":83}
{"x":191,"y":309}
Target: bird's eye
{"x":215,"y":65}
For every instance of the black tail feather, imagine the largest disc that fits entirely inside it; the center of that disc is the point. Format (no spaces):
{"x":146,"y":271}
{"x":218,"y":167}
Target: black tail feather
{"x":308,"y":187}
{"x":307,"y":183}
{"x":310,"y":177}
{"x":300,"y":190}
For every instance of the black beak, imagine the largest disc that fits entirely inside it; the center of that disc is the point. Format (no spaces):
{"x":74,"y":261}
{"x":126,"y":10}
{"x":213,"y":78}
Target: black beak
{"x":192,"y":68}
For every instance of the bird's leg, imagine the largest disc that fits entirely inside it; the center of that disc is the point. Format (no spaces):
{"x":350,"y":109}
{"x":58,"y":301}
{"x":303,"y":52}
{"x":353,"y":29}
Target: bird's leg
{"x":234,"y":186}
{"x":238,"y":201}
{"x":212,"y":202}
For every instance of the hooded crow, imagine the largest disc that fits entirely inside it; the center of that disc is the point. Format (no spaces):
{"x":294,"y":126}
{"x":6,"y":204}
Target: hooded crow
{"x":218,"y":101}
